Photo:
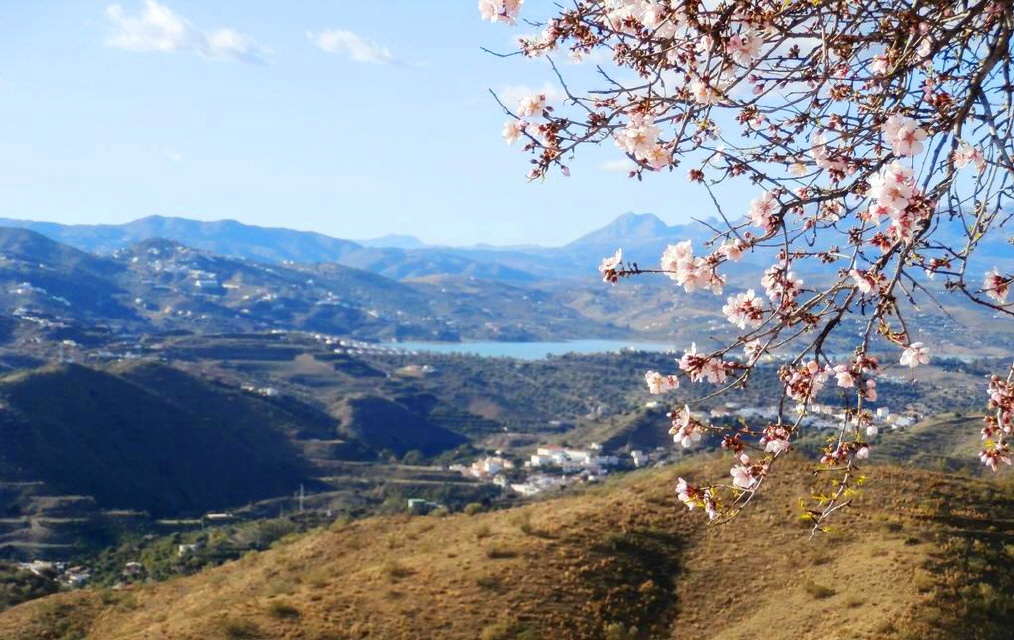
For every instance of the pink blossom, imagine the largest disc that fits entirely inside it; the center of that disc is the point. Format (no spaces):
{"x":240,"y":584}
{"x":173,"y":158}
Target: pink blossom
{"x":967,"y":153}
{"x":865,"y":281}
{"x":870,"y":393}
{"x":744,"y":47}
{"x":685,"y":431}
{"x":699,"y":367}
{"x":658,"y":157}
{"x":500,"y":10}
{"x":780,"y":283}
{"x":703,"y":93}
{"x":762,"y":212}
{"x":714,"y":370}
{"x":679,"y":263}
{"x":732,"y":249}
{"x":904,"y":135}
{"x":996,"y":286}
{"x":658,"y":383}
{"x":798,"y":170}
{"x":879,"y":64}
{"x":639,"y":137}
{"x":915,"y":355}
{"x":744,"y":309}
{"x":844,"y":376}
{"x":775,"y":439}
{"x":752,"y":350}
{"x":532,"y":105}
{"x":893,"y":187}
{"x":875,"y":213}
{"x":743,"y":474}
{"x":710,"y":507}
{"x":676,"y":254}
{"x":991,"y":459}
{"x":513,"y":129}
{"x":683,"y":493}
{"x":818,"y":149}
{"x":609,"y":265}
{"x":805,"y":381}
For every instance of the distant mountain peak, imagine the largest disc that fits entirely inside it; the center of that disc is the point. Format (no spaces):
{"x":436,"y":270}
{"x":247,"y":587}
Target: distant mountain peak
{"x":628,"y":227}
{"x":646,"y":224}
{"x":394,"y":241}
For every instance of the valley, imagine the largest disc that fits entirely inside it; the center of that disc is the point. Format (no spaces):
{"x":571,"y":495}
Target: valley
{"x":165,"y":410}
{"x":602,"y":320}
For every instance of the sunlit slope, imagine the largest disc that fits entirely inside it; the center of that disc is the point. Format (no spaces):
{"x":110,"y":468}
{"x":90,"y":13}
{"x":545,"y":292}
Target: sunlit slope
{"x":921,"y":556}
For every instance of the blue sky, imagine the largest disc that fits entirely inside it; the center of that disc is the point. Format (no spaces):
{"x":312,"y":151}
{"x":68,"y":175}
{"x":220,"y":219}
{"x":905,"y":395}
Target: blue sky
{"x":355,"y":119}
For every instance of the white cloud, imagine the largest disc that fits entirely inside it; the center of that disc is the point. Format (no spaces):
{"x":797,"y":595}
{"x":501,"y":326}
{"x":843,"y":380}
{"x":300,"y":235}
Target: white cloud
{"x":352,"y":45}
{"x":511,"y":95}
{"x":157,"y":28}
{"x":623,"y":164}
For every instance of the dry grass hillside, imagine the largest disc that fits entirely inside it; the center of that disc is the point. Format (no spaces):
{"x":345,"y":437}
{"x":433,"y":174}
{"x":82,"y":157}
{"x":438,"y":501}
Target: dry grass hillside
{"x":923,"y":556}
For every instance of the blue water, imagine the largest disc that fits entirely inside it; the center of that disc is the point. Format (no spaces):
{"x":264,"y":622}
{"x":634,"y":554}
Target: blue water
{"x":533,"y":350}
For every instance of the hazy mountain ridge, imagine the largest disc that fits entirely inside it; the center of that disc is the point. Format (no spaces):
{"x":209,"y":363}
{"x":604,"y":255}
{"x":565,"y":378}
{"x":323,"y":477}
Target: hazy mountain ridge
{"x":269,"y":245}
{"x":642,"y":235}
{"x":517,"y":294}
{"x":161,"y":285}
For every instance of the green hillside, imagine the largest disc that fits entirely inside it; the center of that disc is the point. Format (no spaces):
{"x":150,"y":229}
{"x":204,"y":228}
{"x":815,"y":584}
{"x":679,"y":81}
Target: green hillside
{"x":385,"y":425}
{"x":151,"y":439}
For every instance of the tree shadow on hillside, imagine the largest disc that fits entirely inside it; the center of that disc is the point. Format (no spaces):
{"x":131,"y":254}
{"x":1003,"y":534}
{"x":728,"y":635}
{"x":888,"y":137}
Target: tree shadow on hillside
{"x":633,"y":574}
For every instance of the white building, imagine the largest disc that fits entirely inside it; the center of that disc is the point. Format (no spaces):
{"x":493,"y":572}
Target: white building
{"x":639,"y":457}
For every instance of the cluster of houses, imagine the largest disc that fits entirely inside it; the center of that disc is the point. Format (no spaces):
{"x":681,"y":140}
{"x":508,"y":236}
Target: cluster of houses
{"x":571,"y":460}
{"x":827,"y":416}
{"x":267,"y":392}
{"x":419,"y":506}
{"x":552,"y":466}
{"x":27,"y":288}
{"x":28,"y":315}
{"x":820,"y":416}
{"x":71,"y":576}
{"x":352,"y":347}
{"x":489,"y":469}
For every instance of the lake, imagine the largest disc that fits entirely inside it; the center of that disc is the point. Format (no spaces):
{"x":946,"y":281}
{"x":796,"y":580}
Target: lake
{"x":533,"y":350}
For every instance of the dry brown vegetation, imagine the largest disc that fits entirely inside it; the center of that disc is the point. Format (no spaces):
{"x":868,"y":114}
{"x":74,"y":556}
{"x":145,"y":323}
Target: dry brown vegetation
{"x":923,"y":556}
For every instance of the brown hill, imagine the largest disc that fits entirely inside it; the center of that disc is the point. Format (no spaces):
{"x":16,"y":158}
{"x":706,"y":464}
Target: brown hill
{"x":923,"y":556}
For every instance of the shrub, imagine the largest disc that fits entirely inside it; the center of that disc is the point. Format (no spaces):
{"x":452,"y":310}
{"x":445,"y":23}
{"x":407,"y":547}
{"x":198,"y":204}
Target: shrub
{"x":282,"y":609}
{"x":618,"y":631}
{"x":498,"y":552}
{"x":474,"y":508}
{"x":395,"y":570}
{"x":236,"y":629}
{"x":818,"y":591}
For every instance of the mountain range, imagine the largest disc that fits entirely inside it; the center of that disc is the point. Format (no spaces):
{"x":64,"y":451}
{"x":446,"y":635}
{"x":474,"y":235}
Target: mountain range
{"x":118,"y":279}
{"x":642,"y":235}
{"x":159,"y":285}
